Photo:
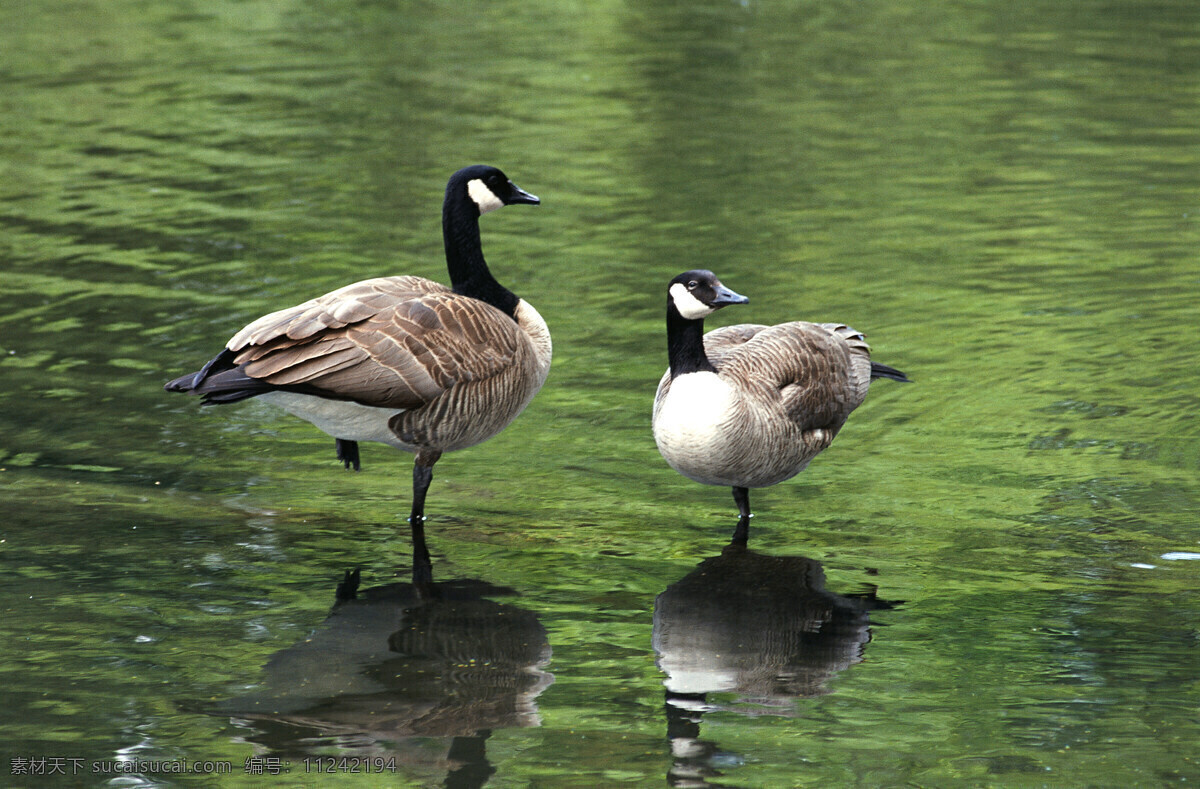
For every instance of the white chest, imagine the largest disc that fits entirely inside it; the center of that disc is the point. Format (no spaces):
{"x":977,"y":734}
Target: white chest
{"x":694,"y":413}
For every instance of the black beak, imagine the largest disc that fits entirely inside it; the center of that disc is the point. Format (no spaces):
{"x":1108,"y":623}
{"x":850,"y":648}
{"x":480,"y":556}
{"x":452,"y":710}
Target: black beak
{"x":519,"y":195}
{"x":725,"y":296}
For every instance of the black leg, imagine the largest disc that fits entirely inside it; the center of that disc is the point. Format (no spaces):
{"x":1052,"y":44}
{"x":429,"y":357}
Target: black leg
{"x":422,"y":476}
{"x":470,"y":755}
{"x":422,"y":570}
{"x":347,"y":452}
{"x":348,"y":588}
{"x":741,"y":497}
{"x":741,"y":534}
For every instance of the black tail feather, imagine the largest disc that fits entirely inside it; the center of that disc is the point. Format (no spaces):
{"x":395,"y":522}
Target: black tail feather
{"x":220,"y":381}
{"x":182,"y":384}
{"x":222,"y":398}
{"x":883,"y":371}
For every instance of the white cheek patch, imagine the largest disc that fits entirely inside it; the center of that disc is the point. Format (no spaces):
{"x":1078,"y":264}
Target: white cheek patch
{"x":688,"y":305}
{"x":483,"y":197}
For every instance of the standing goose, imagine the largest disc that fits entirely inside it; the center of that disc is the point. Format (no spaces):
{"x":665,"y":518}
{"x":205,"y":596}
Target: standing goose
{"x":749,"y":406}
{"x":401,"y":360}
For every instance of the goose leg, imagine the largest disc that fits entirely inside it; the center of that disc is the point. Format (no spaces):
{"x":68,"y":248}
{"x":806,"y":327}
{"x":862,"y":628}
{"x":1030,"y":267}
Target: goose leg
{"x":470,"y":754}
{"x":422,"y":476}
{"x":347,"y":452}
{"x":741,"y":534}
{"x":348,"y":588}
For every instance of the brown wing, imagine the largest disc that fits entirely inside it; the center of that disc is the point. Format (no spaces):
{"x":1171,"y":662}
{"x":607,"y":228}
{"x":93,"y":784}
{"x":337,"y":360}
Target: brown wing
{"x":819,"y":372}
{"x":335,"y":309}
{"x":396,"y":342}
{"x":720,"y":343}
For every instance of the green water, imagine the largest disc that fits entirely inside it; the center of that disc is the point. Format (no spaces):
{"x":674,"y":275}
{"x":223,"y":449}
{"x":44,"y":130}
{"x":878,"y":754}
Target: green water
{"x":990,"y":579}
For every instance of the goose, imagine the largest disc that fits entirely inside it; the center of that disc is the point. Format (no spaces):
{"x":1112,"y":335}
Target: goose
{"x":750,"y":406}
{"x":401,"y":360}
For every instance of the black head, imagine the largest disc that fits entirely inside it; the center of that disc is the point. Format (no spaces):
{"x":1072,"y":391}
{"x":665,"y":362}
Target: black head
{"x":488,"y":188}
{"x":698,"y":293}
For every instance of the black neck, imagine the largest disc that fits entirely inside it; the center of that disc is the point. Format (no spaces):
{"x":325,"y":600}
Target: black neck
{"x":685,"y":343}
{"x":469,"y":274}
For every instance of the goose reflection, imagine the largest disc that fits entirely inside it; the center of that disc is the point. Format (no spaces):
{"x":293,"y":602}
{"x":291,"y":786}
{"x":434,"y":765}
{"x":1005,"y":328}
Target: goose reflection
{"x":762,"y":627}
{"x":400,"y":662}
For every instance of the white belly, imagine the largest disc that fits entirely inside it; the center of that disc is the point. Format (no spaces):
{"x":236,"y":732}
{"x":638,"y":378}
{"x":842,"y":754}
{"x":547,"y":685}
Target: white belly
{"x":340,"y":418}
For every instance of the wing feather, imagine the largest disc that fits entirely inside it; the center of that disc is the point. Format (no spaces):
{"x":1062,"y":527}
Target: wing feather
{"x":396,"y":342}
{"x":336,"y":309}
{"x":818,"y":372}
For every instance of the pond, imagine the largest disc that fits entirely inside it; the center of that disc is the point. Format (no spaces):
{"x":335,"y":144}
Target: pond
{"x":990,"y":579}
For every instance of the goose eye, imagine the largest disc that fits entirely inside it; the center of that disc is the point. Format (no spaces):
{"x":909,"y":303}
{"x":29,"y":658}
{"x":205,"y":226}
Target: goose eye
{"x":692,"y":284}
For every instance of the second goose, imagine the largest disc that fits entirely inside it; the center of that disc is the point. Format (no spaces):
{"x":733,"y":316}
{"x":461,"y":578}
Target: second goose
{"x":401,"y":360}
{"x":749,"y":406}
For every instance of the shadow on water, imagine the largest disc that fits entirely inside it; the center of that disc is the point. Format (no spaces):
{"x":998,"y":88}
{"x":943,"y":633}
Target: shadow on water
{"x":394,"y":669}
{"x":762,"y":627}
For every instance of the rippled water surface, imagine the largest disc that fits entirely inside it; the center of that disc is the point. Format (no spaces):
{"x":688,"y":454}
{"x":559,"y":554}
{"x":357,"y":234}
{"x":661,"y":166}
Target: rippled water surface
{"x":989,"y":580}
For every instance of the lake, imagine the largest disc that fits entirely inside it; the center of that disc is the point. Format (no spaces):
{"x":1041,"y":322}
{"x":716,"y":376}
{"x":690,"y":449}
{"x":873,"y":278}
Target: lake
{"x":992,"y":578}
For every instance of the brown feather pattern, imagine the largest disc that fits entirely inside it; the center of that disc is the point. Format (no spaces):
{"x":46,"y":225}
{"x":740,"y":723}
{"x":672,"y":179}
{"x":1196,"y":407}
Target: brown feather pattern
{"x":794,"y":386}
{"x":460,"y":368}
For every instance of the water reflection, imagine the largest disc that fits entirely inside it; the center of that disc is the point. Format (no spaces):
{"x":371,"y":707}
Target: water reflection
{"x":762,"y":627}
{"x":395,"y":665}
